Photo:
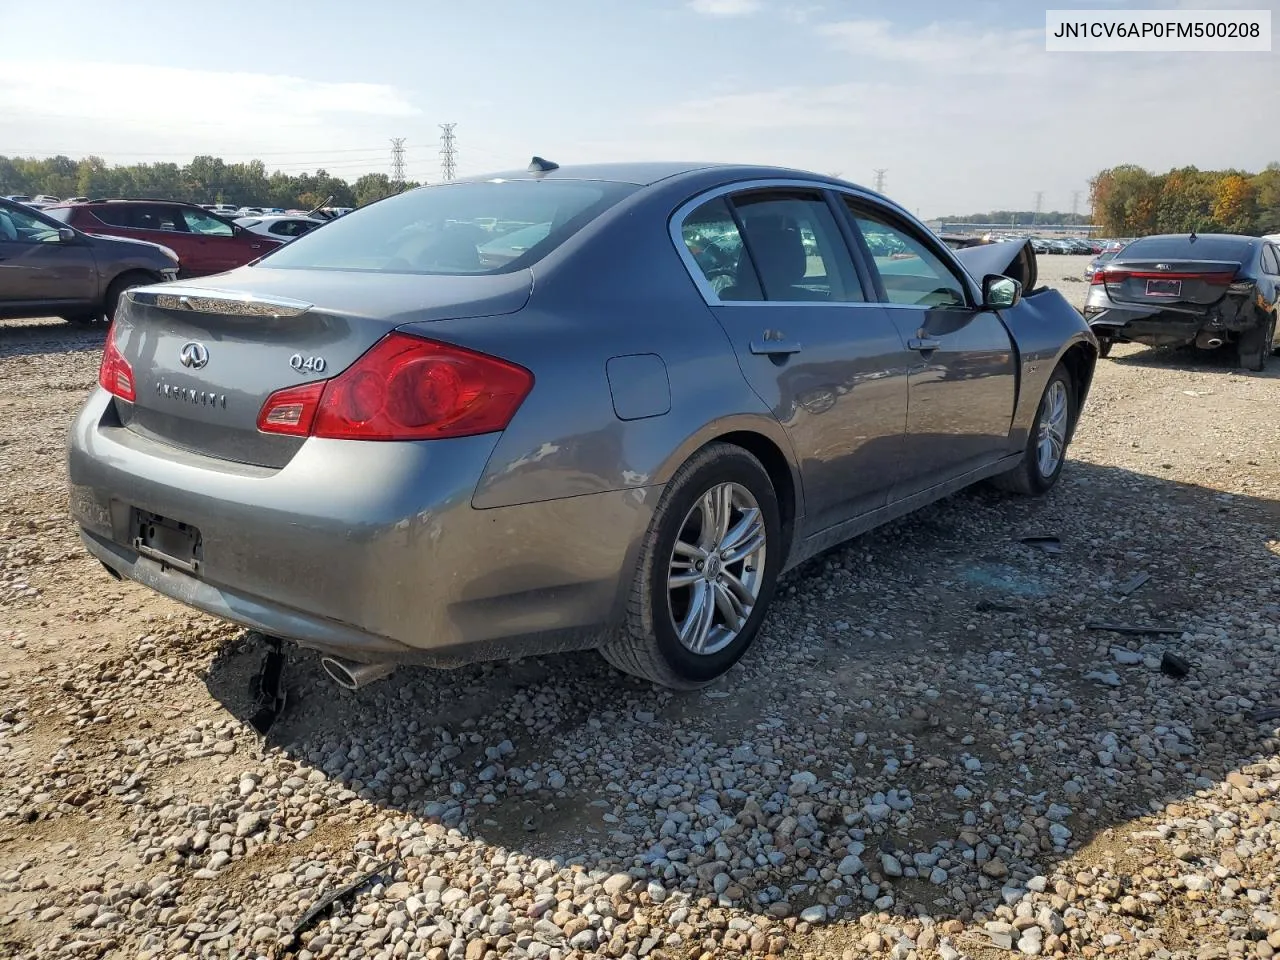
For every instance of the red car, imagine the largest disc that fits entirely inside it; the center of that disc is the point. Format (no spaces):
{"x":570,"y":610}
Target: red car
{"x":204,"y":243}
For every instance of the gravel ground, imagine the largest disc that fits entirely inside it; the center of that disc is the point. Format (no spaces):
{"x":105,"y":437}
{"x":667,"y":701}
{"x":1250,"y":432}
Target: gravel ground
{"x":929,"y":753}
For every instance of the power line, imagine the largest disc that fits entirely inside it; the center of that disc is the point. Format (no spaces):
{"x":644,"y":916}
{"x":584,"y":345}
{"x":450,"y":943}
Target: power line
{"x":397,"y":160}
{"x":880,"y":172}
{"x":448,"y":157}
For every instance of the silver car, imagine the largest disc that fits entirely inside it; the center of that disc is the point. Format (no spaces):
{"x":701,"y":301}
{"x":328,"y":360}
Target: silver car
{"x":400,"y":440}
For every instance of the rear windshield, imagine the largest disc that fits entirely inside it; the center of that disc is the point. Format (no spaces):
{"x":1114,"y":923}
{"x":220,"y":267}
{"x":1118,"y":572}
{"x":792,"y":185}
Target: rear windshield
{"x":1184,"y":248}
{"x":454,"y":228}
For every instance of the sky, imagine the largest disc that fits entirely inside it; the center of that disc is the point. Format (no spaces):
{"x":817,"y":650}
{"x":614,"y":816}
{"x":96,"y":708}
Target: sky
{"x":959,"y":103}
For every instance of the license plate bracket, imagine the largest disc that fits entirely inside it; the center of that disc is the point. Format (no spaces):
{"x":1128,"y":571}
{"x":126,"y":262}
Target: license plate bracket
{"x":170,"y":542}
{"x":1164,"y":288}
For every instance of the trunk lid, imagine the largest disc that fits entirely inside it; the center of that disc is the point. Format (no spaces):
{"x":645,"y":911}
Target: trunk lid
{"x":1169,"y":284}
{"x":206,"y":354}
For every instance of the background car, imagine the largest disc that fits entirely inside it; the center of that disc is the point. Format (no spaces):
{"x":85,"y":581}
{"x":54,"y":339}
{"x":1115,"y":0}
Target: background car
{"x":50,"y":269}
{"x":1173,"y":290}
{"x":205,"y":243}
{"x":401,"y":453}
{"x":279,"y":227}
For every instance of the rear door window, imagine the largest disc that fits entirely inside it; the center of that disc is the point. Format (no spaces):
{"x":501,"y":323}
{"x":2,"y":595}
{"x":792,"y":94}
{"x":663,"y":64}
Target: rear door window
{"x":711,"y":236}
{"x":197,"y":221}
{"x":796,"y":245}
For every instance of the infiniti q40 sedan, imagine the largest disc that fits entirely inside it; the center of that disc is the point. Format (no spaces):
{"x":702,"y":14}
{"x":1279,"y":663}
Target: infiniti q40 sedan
{"x":401,"y":440}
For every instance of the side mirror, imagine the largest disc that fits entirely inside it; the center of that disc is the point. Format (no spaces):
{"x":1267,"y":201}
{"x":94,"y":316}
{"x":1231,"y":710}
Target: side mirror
{"x":66,"y":235}
{"x":1000,"y":293}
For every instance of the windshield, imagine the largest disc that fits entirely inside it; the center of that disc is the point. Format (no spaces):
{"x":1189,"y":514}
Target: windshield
{"x":1184,"y":248}
{"x":26,"y":226}
{"x":454,"y":228}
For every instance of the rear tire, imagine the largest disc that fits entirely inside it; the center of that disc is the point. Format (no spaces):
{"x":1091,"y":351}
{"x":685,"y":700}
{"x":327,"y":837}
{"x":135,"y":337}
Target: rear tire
{"x":1046,"y":450}
{"x":731,"y":564}
{"x":117,"y":288}
{"x":1255,"y":346}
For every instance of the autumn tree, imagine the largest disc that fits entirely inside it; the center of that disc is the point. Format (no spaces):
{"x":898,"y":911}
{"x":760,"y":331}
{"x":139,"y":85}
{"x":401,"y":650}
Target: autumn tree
{"x":1234,"y":207}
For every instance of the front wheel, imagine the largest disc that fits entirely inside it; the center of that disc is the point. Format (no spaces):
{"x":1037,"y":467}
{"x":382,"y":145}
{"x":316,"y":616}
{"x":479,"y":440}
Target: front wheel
{"x":1046,"y":449}
{"x":707,"y":571}
{"x":117,"y":289}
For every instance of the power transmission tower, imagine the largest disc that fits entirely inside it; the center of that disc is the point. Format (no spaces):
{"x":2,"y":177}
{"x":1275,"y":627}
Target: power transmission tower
{"x":1039,"y":204}
{"x":397,"y":160}
{"x":448,"y":169}
{"x":880,"y":172}
{"x":1075,"y":202}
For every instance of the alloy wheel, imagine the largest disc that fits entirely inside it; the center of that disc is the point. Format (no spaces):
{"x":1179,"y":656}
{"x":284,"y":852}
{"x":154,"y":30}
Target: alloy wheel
{"x":1052,"y":429}
{"x":716,"y":568}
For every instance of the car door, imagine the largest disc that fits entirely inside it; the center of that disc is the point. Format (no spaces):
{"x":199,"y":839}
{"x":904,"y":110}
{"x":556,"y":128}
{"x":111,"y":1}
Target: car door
{"x":963,"y":380}
{"x":775,"y":269}
{"x":222,"y":246}
{"x":39,"y":268}
{"x":156,"y":223}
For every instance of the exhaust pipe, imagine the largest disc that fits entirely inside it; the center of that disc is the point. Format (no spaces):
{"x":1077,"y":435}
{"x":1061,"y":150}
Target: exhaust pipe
{"x":1208,"y":341}
{"x":352,"y":676}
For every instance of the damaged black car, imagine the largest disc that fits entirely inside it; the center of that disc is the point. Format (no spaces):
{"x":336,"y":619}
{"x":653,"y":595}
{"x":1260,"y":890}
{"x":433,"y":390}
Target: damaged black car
{"x":1174,"y":290}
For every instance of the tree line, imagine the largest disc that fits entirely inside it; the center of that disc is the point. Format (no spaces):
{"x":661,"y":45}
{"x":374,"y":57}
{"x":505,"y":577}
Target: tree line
{"x":204,"y":180}
{"x":1129,"y":201}
{"x":1020,"y":218}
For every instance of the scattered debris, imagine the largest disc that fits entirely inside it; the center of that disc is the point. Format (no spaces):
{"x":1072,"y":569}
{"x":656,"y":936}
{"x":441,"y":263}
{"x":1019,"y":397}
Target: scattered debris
{"x":321,"y":907}
{"x":1265,"y":714}
{"x":1125,"y":656}
{"x":1047,"y":544}
{"x":1172,"y":665}
{"x":1133,"y":584}
{"x":269,"y":688}
{"x":991,"y":606}
{"x":1108,"y":678}
{"x":1134,"y":628}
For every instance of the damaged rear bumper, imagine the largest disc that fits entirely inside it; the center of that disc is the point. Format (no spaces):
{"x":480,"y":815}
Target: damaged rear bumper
{"x":1166,"y":329}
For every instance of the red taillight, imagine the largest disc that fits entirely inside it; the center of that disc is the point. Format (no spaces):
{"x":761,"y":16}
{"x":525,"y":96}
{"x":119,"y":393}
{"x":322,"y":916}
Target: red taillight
{"x":114,"y":373}
{"x":1218,"y":279}
{"x":1099,"y":276}
{"x":405,"y":388}
{"x":292,"y":410}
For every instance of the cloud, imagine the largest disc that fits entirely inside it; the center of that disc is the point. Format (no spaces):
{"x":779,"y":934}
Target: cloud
{"x":966,"y":117}
{"x":172,"y":96}
{"x":725,"y":8}
{"x":131,"y":112}
{"x":940,"y":47}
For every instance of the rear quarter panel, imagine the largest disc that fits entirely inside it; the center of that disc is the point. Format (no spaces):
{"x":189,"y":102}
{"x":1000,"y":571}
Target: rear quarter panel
{"x":619,"y":290}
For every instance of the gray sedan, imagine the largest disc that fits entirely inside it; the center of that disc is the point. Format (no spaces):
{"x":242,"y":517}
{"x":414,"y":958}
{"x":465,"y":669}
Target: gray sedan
{"x":402,"y":440}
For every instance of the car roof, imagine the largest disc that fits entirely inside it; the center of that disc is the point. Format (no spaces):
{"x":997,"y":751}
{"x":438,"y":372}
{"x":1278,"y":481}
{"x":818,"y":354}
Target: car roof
{"x":179,"y":203}
{"x":645,"y":173}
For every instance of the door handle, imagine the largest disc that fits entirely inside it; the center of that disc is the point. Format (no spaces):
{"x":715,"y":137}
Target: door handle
{"x":774,"y":348}
{"x":924,"y":344}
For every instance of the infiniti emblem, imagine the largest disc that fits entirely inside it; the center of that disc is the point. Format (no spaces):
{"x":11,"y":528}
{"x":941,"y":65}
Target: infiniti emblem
{"x":194,"y":355}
